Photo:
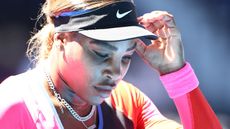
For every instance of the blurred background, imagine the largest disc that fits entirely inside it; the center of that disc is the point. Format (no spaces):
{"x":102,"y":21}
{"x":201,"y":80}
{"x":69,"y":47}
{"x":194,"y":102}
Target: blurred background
{"x":205,"y":29}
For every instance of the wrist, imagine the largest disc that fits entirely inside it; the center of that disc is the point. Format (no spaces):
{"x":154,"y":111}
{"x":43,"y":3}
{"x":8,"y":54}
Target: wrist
{"x":171,"y":68}
{"x":180,"y":82}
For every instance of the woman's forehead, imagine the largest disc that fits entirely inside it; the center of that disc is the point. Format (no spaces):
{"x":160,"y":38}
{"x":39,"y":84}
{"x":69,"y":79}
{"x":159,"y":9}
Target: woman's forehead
{"x":115,"y":45}
{"x":129,"y":44}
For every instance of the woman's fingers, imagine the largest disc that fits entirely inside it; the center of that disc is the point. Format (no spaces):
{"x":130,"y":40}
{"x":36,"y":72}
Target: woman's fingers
{"x":156,"y":20}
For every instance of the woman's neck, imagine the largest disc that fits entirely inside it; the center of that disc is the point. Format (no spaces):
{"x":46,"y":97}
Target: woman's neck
{"x":79,"y":105}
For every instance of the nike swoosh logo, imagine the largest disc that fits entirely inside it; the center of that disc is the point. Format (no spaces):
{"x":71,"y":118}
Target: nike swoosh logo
{"x":121,"y":15}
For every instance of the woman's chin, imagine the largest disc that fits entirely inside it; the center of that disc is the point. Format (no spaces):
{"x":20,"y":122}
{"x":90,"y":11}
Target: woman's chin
{"x":97,"y":100}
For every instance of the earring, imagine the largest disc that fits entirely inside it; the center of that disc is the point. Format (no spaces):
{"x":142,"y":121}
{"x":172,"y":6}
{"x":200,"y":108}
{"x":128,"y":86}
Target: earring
{"x":59,"y":46}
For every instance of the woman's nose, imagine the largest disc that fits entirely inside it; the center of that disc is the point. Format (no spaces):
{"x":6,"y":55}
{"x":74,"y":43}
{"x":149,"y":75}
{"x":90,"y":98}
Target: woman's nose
{"x":113,"y":71}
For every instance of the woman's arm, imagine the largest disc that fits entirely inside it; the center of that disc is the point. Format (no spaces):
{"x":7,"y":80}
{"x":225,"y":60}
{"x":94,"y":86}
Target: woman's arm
{"x":166,"y":56}
{"x":195,"y":112}
{"x":193,"y":108}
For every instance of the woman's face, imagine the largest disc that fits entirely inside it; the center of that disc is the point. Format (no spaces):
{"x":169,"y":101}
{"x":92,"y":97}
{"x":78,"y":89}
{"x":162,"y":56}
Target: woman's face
{"x":92,"y":68}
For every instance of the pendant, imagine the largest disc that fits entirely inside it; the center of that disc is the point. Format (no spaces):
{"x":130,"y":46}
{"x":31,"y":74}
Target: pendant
{"x":92,"y":126}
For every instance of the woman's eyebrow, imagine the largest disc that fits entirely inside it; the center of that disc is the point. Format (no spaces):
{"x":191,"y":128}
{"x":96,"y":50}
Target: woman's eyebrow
{"x":111,"y":47}
{"x":103,"y":44}
{"x":133,"y":47}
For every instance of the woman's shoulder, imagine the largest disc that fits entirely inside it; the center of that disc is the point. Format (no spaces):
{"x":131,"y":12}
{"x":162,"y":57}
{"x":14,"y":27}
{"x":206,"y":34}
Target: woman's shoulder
{"x":13,"y":110}
{"x":11,"y":97}
{"x":15,"y":82}
{"x":13,"y":88}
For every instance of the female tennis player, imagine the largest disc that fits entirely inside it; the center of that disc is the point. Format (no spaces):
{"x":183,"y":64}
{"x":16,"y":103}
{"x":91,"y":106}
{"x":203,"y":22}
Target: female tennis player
{"x":82,"y":53}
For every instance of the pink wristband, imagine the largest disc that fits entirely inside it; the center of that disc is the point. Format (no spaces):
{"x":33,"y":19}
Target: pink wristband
{"x":180,"y":82}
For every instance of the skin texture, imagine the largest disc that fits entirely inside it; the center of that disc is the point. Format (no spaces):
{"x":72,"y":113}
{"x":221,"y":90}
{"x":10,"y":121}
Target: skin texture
{"x":85,"y":71}
{"x":104,"y":64}
{"x":166,"y":53}
{"x":166,"y":56}
{"x":101,"y":66}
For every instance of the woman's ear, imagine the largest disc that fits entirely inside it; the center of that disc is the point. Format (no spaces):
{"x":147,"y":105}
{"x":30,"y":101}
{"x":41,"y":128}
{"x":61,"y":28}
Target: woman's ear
{"x":62,"y":38}
{"x":59,"y":40}
{"x":59,"y":37}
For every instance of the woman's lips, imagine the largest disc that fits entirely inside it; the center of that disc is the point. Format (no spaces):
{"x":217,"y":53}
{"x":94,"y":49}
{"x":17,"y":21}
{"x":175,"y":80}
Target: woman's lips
{"x":104,"y":91}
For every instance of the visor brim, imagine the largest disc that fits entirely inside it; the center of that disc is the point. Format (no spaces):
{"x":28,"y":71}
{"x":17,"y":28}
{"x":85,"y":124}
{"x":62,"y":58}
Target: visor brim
{"x":119,"y":33}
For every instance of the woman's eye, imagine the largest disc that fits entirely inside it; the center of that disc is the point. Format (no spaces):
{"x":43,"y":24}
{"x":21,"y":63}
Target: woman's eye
{"x":127,"y":58}
{"x":103,"y":55}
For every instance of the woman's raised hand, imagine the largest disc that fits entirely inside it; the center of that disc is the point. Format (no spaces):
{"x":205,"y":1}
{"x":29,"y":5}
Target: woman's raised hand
{"x":166,"y":53}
